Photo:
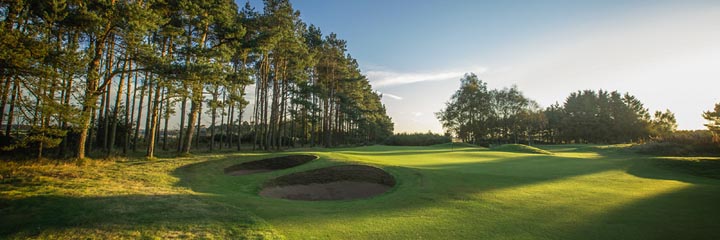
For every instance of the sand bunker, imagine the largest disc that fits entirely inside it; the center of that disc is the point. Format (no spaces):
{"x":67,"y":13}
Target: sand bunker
{"x":331,"y":183}
{"x":269,"y":164}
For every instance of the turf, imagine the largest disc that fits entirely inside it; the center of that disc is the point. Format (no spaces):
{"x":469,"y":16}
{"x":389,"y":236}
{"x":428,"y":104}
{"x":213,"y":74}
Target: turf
{"x":578,"y":192}
{"x":520,"y":148}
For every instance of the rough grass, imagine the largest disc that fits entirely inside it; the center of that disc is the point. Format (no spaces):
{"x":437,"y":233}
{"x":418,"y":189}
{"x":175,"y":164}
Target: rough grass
{"x":578,"y":192}
{"x":520,"y":148}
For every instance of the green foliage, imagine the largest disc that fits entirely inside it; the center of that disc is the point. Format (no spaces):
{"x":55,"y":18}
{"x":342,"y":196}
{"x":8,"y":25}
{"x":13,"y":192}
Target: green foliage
{"x":62,"y":60}
{"x":45,"y":137}
{"x":713,"y":118}
{"x":680,"y":143}
{"x":519,"y":148}
{"x":603,"y":117}
{"x":478,"y":115}
{"x":481,"y":116}
{"x":417,"y":139}
{"x":663,"y":123}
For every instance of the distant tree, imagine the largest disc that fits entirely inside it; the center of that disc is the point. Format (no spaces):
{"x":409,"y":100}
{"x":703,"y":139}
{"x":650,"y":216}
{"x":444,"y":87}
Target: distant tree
{"x":713,"y":118}
{"x":604,"y":117}
{"x":468,"y":112}
{"x":663,"y":123}
{"x":480,"y":115}
{"x":554,"y":115}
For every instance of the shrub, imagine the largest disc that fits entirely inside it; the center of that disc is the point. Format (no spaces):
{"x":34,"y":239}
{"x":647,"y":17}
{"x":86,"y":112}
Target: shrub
{"x":416,"y":139}
{"x":681,"y":143}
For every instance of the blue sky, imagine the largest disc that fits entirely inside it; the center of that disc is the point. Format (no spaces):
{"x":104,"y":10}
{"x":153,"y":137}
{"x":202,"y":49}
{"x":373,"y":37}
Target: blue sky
{"x":667,"y":53}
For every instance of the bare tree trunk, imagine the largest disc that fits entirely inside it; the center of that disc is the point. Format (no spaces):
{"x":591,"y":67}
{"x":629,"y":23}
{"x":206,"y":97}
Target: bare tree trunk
{"x":127,"y":114}
{"x":153,"y":123}
{"x":91,"y":96}
{"x":148,"y":115}
{"x":195,"y":107}
{"x":199,"y":121}
{"x":66,"y":103}
{"x":108,"y":69}
{"x":5,"y":93}
{"x":212,"y":118}
{"x":161,"y":94}
{"x":183,"y":106}
{"x":230,"y":124}
{"x":106,"y":124}
{"x":140,"y":111}
{"x":113,"y":130}
{"x":255,"y":116}
{"x":167,"y":118}
{"x":222,"y":120}
{"x":11,"y":112}
{"x":239,"y":128}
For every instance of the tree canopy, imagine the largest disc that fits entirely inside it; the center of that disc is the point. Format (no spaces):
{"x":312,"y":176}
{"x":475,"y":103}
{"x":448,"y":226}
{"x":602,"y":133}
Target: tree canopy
{"x":78,"y":76}
{"x":485,"y":116}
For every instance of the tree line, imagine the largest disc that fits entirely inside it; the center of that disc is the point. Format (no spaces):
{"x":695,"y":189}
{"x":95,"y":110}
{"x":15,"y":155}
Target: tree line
{"x":77,"y":76}
{"x":479,"y":115}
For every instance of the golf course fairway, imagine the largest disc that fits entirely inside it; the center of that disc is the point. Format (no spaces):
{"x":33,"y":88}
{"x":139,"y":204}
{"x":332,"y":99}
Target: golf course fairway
{"x":441,"y":192}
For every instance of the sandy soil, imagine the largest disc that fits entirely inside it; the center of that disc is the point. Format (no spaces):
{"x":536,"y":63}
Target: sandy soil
{"x":340,"y":190}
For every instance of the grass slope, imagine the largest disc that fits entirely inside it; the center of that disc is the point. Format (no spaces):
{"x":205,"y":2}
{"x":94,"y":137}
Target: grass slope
{"x":520,"y":148}
{"x":578,"y":192}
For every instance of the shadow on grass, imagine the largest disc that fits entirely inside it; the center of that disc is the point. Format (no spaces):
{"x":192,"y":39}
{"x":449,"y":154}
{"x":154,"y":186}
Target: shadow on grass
{"x":681,"y":169}
{"x":688,"y":213}
{"x":129,"y":216}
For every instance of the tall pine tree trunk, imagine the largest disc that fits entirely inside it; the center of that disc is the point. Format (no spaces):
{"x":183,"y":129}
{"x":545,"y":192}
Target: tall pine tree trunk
{"x":91,"y":95}
{"x":183,"y":107}
{"x":11,"y":112}
{"x":140,"y":111}
{"x":192,"y":119}
{"x":154,"y":107}
{"x":167,"y":118}
{"x":113,"y":128}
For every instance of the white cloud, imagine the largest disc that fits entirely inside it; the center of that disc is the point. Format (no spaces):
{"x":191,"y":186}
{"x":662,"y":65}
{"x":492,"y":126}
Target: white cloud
{"x":393,"y":96}
{"x":390,"y":78}
{"x":668,"y":58}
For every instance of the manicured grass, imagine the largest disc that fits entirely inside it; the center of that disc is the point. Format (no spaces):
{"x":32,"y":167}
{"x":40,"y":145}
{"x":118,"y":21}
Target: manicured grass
{"x":442,"y":192}
{"x":520,"y":148}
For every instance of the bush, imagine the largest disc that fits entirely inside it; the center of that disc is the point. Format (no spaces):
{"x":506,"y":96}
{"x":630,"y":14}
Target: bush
{"x":416,"y":139}
{"x":681,"y":143}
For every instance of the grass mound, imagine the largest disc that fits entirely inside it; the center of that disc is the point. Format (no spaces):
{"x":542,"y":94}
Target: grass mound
{"x":416,"y":139}
{"x":330,"y":183}
{"x":457,"y":145}
{"x":520,"y":148}
{"x":269,"y":164}
{"x":676,"y":149}
{"x":699,"y":166}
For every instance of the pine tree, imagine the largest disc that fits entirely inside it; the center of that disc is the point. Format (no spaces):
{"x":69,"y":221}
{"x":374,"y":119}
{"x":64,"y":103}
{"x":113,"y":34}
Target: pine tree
{"x":713,"y":118}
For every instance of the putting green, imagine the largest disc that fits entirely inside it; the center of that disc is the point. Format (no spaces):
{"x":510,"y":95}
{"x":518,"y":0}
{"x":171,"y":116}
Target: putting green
{"x":442,"y":192}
